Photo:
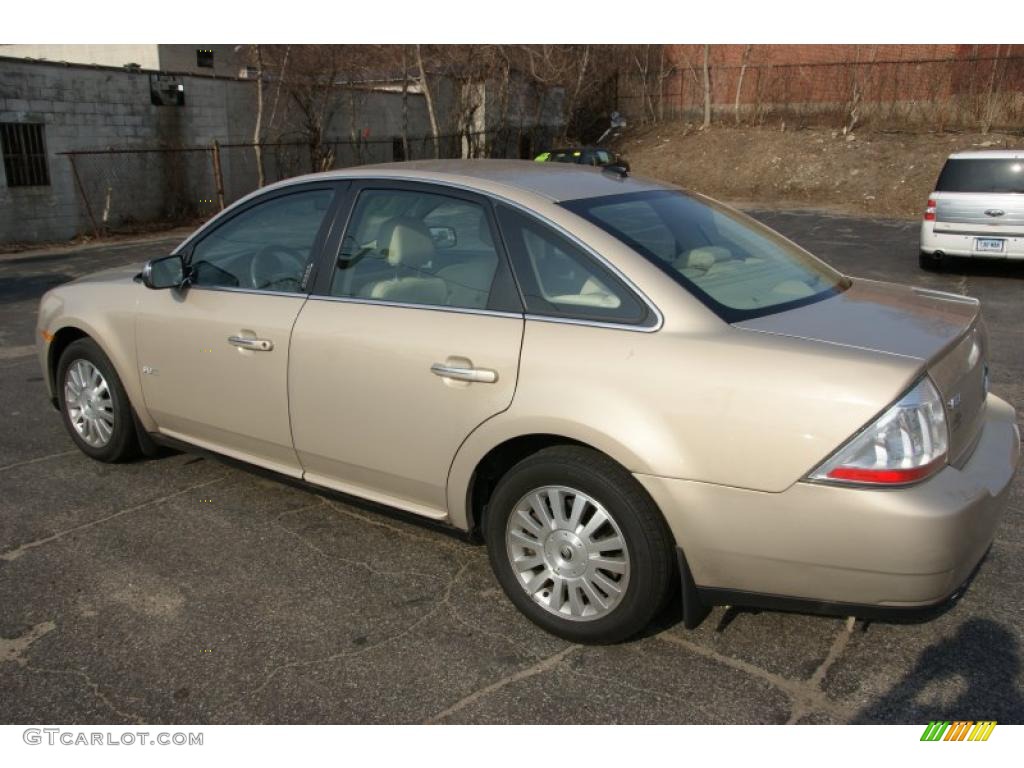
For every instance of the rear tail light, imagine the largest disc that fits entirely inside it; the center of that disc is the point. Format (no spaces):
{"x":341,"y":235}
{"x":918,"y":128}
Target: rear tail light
{"x":929,"y":212}
{"x":905,"y":444}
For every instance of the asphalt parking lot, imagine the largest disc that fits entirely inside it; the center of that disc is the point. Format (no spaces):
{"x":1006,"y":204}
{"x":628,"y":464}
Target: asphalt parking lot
{"x":184,"y":590}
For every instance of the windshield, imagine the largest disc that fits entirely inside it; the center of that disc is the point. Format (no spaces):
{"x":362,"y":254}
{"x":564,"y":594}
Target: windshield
{"x":982,"y":175}
{"x":738,"y":267}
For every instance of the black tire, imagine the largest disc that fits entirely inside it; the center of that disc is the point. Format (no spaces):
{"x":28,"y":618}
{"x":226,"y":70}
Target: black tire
{"x":930,"y":262}
{"x":123,"y":442}
{"x":649,"y":542}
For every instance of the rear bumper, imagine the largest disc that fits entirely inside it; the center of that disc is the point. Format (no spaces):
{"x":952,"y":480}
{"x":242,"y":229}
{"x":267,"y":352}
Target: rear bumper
{"x":865,"y":550}
{"x":965,"y":245}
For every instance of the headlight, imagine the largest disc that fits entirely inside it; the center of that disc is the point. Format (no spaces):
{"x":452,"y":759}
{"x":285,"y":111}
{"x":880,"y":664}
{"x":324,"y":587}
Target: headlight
{"x":906,"y":444}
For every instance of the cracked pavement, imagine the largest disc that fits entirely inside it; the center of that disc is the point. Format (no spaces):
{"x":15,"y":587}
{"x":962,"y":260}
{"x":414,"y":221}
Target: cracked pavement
{"x":184,"y":590}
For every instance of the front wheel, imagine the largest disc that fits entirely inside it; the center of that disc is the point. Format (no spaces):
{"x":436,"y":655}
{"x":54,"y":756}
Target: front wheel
{"x":93,"y":403}
{"x":578,"y":546}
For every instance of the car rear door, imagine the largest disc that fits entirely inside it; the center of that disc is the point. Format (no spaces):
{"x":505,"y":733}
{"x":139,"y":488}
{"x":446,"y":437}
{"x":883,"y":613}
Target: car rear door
{"x":410,"y":340}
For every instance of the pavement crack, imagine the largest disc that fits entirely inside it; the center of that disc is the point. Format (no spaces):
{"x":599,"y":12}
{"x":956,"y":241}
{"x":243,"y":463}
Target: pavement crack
{"x":804,"y":694}
{"x":540,"y":667}
{"x":13,"y":649}
{"x":339,"y":558}
{"x":130,"y":717}
{"x":812,"y":687}
{"x":17,"y":464}
{"x":444,"y":601}
{"x":14,"y":554}
{"x":380,"y":523}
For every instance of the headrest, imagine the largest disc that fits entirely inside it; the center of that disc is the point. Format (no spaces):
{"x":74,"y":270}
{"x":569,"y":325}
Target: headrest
{"x":407,"y":241}
{"x":705,"y":256}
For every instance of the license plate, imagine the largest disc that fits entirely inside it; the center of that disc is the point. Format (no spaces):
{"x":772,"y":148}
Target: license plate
{"x":988,"y":245}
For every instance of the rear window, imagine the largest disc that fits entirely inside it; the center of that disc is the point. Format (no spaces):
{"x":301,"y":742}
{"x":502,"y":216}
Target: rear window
{"x":982,"y":175}
{"x":736,"y":266}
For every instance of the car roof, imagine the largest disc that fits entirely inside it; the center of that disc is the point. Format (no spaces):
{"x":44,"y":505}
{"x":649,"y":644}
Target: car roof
{"x":988,"y":154}
{"x":554,"y":181}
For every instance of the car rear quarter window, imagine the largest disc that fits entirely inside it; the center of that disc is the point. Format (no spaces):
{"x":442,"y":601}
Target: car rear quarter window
{"x":736,"y":266}
{"x":992,"y":175}
{"x":559,"y":279}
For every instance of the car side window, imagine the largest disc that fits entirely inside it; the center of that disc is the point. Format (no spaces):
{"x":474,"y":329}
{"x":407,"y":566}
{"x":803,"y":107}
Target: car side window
{"x":560,"y":279}
{"x":411,"y":247}
{"x":266,"y":247}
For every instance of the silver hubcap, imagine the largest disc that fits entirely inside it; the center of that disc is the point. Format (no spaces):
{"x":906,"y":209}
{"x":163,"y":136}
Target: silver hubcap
{"x":568,"y":553}
{"x":87,"y":399}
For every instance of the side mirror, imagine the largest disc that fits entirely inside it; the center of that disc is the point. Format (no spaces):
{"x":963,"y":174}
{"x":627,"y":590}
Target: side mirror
{"x":165,"y":272}
{"x":444,"y":237}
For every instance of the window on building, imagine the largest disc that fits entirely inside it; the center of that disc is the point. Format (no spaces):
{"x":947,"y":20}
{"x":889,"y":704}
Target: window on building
{"x":24,"y":151}
{"x":204,"y":57}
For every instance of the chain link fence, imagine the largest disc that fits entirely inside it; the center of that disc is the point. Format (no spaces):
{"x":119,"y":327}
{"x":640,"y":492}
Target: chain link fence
{"x":980,"y":93}
{"x":127,"y":189}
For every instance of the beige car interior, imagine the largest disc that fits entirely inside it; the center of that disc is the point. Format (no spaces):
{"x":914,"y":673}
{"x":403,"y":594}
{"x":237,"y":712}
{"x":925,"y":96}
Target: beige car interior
{"x":733,"y":280}
{"x":422,"y":273}
{"x":592,"y":292}
{"x":469,"y":282}
{"x":410,"y":250}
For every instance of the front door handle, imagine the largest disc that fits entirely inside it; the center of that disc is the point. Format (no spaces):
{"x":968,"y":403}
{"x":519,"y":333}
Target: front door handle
{"x":256,"y":345}
{"x":460,"y":373}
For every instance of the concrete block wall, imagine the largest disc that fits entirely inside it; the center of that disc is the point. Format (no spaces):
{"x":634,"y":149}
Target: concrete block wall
{"x":89,"y":107}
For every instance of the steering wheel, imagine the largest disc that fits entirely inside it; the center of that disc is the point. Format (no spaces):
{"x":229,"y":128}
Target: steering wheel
{"x":277,"y":267}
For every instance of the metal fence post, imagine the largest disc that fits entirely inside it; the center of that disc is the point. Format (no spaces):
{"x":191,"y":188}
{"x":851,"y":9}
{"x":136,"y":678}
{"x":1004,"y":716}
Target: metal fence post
{"x":85,"y":199}
{"x":218,"y":175}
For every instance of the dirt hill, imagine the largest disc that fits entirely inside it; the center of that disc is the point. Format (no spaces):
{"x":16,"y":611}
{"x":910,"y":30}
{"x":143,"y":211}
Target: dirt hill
{"x":879,"y":174}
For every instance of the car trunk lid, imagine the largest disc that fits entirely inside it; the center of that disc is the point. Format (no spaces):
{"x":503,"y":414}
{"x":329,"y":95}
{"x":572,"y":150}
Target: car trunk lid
{"x":942,"y":330}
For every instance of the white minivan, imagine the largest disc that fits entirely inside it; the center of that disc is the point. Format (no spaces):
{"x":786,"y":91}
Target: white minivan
{"x":977,"y":208}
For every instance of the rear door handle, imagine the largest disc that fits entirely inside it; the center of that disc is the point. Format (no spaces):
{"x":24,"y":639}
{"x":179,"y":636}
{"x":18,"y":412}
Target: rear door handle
{"x":256,"y":345}
{"x":459,"y":373}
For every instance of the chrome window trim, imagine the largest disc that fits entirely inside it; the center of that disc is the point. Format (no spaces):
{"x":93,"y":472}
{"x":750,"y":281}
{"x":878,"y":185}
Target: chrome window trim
{"x":406,"y":305}
{"x":257,"y":291}
{"x":659,"y":319}
{"x":485,"y":312}
{"x":596,"y":323}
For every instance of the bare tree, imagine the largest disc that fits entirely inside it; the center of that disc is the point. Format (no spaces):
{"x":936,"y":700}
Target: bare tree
{"x":319,"y":81}
{"x":257,"y":133}
{"x":425,"y":86}
{"x":739,"y":80}
{"x":707,"y":87}
{"x":989,"y":110}
{"x":405,"y":103}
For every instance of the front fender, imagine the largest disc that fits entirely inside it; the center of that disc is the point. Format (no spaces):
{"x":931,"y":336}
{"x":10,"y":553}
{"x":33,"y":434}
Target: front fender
{"x":106,"y":313}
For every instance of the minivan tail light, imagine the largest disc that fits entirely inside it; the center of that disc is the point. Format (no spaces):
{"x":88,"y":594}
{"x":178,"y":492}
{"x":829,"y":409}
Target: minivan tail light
{"x":929,"y":212}
{"x":904,"y":445}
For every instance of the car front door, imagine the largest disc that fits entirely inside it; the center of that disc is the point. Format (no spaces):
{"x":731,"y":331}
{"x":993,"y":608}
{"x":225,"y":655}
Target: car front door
{"x":410,"y":341}
{"x":214,"y":355}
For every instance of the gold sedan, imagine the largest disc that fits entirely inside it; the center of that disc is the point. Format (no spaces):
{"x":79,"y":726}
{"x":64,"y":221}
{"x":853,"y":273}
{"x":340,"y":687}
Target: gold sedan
{"x":621,"y":386}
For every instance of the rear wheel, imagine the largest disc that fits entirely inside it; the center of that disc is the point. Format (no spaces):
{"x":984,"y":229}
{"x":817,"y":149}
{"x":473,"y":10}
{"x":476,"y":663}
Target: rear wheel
{"x":578,"y":546}
{"x":930,"y":261}
{"x":93,"y":403}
